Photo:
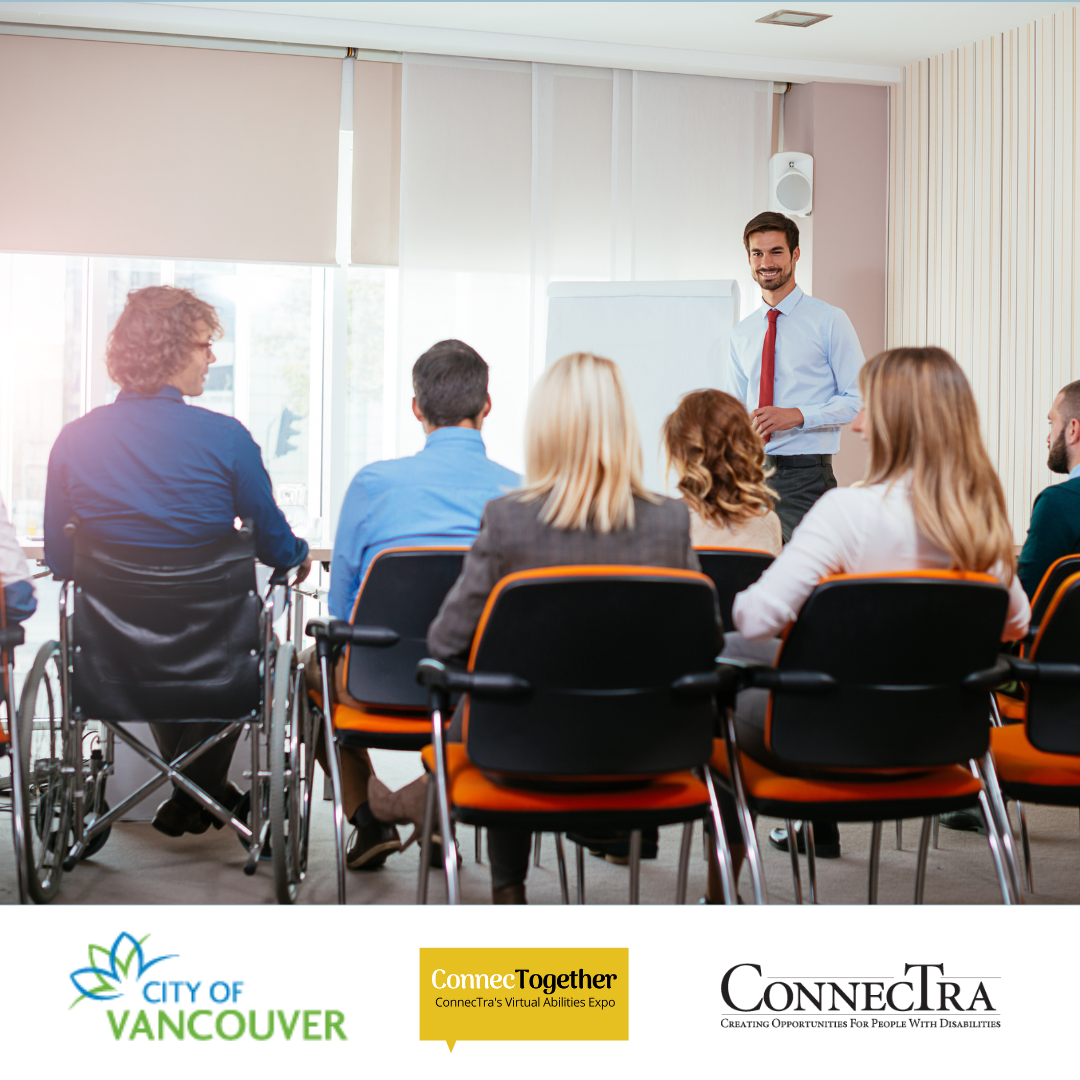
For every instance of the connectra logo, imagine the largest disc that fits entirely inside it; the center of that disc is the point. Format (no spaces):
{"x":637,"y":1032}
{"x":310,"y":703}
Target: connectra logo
{"x":171,"y":1004}
{"x":524,"y":994}
{"x":923,"y":996}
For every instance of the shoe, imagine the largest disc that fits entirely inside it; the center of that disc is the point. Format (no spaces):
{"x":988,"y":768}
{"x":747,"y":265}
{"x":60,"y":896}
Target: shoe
{"x":615,"y":846}
{"x":828,"y":847}
{"x":509,"y":894}
{"x":230,"y":798}
{"x":964,"y":821}
{"x":181,"y":814}
{"x":370,"y":845}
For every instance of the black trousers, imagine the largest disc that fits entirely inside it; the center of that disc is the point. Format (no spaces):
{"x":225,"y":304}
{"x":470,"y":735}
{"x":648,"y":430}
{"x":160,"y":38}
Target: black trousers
{"x":800,"y":480}
{"x":210,"y":770}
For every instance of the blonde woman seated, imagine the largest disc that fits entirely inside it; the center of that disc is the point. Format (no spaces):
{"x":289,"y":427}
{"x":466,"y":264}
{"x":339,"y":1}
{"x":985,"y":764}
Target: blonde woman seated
{"x":720,"y":463}
{"x":930,"y":500}
{"x":583,"y":502}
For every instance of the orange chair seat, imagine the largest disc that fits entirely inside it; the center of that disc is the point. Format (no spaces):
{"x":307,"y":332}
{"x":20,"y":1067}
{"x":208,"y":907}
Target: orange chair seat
{"x":1011,"y":708}
{"x":1018,"y":762}
{"x":678,"y":796}
{"x":766,"y":788}
{"x":361,"y":720}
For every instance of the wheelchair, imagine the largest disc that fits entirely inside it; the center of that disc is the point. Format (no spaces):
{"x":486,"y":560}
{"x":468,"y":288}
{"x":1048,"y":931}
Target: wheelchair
{"x":164,"y":635}
{"x":11,"y":787}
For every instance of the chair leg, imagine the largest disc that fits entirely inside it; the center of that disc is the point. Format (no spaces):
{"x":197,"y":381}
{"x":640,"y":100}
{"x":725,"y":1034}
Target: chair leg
{"x":811,"y":859}
{"x":746,"y":819}
{"x":1026,"y":844}
{"x":443,"y":794}
{"x":993,"y":840}
{"x":988,"y":775}
{"x":935,"y":830}
{"x":793,"y":851}
{"x":720,"y":843}
{"x":875,"y":861}
{"x":478,"y":840}
{"x":425,"y":842}
{"x":579,"y":859}
{"x":538,"y":839}
{"x":635,"y":866}
{"x":684,"y":861}
{"x":560,"y":855}
{"x":899,"y":834}
{"x":335,"y":774}
{"x":924,"y":851}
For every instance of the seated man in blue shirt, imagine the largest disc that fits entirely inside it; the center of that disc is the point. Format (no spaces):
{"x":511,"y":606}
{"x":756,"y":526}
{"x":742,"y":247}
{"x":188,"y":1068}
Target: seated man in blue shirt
{"x":435,"y":497}
{"x":152,"y":471}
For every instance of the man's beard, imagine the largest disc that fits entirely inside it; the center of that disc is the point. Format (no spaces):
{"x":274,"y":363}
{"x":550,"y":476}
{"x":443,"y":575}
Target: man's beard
{"x":778,"y":282}
{"x":1058,"y":461}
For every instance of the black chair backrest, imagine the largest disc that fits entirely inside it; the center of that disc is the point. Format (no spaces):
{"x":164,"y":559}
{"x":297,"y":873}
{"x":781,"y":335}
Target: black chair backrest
{"x":1053,"y":708}
{"x":732,"y":570}
{"x":1055,"y":574}
{"x":166,"y":633}
{"x":402,"y":590}
{"x":601,"y":647}
{"x":899,"y":646}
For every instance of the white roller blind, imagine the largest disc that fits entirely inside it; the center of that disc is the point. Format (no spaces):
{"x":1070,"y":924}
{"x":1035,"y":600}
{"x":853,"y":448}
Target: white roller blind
{"x":516,"y":175}
{"x":700,"y":158}
{"x":376,"y":162}
{"x":149,"y":150}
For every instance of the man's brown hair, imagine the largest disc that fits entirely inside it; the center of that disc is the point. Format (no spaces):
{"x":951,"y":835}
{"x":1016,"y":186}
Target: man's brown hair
{"x":1070,"y":401}
{"x":153,"y":338}
{"x":770,"y":221}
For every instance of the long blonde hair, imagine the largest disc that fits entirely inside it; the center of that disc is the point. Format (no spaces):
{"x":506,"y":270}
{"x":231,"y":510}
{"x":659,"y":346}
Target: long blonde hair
{"x":719,"y":458}
{"x":582,"y":451}
{"x":921,"y":419}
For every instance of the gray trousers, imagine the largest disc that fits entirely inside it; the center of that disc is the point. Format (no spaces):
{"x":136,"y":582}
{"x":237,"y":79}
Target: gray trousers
{"x":800,"y":480}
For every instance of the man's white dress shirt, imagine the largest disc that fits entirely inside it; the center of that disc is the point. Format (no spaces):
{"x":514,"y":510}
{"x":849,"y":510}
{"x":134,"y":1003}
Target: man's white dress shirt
{"x":855,"y":530}
{"x":818,"y":357}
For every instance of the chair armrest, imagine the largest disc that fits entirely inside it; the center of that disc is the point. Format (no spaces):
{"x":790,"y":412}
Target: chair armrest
{"x":339,"y":632}
{"x":754,"y":673}
{"x":1001,"y":672}
{"x":437,"y":676}
{"x":723,"y":682}
{"x":1030,"y":671}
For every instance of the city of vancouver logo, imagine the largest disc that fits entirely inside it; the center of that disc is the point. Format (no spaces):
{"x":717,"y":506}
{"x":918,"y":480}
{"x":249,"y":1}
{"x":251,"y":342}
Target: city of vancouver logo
{"x":162,"y":1004}
{"x":112,"y":969}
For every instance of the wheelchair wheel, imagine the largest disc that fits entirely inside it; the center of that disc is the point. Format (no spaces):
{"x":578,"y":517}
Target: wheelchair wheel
{"x":292,"y":766}
{"x":47,"y":789}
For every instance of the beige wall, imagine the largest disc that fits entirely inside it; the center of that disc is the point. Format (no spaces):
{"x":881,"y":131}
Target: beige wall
{"x":845,"y":128}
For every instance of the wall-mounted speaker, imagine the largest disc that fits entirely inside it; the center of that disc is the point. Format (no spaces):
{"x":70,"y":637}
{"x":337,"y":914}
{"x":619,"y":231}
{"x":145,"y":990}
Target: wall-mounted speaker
{"x":791,"y":183}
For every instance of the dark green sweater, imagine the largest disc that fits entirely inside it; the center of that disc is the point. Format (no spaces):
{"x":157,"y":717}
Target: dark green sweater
{"x":1054,"y":531}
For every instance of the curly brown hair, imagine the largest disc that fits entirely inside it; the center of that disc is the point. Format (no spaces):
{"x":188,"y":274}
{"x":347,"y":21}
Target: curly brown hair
{"x":719,"y":458}
{"x":153,"y":338}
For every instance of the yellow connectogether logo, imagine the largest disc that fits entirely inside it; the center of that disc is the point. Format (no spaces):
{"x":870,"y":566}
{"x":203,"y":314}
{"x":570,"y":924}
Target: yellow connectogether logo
{"x":524,"y":994}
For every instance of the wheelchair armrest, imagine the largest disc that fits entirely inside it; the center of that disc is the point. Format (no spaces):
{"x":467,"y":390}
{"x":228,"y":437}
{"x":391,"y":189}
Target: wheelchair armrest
{"x":437,"y":676}
{"x":280,"y":576}
{"x":1001,"y":672}
{"x":1030,"y":671}
{"x":10,"y":636}
{"x":339,"y":632}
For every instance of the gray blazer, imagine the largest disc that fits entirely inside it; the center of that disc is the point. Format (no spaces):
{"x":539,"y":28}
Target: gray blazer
{"x":512,"y":538}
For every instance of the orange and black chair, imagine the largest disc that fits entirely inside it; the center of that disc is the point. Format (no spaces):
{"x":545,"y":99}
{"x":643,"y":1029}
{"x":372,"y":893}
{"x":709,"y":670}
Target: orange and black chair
{"x":877,"y":709}
{"x":590,"y":703}
{"x":732,"y":570}
{"x":378,"y":703}
{"x":1039,"y":760}
{"x":1010,"y":707}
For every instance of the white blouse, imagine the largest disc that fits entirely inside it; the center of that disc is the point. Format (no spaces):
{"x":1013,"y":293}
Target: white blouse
{"x":861,"y":530}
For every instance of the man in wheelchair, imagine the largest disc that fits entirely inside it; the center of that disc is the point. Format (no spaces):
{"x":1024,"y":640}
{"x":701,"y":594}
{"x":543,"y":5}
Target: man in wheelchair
{"x":150,"y":471}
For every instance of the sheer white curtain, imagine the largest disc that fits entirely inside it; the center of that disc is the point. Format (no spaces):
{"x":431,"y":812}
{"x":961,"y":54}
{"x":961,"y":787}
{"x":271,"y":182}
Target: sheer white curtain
{"x":514,"y":175}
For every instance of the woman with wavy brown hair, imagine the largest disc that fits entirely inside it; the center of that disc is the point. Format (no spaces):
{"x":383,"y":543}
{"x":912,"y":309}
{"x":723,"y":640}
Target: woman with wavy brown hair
{"x":720,"y":462}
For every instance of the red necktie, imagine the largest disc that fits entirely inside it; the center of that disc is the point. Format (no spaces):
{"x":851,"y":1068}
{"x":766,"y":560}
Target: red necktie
{"x":768,"y":362}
